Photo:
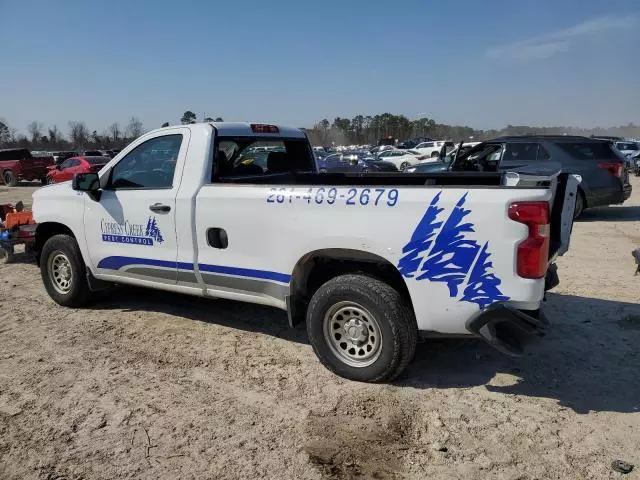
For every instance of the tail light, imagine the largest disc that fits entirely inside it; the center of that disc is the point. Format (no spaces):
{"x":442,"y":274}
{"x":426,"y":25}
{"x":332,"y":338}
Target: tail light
{"x":614,"y":168}
{"x":421,"y":157}
{"x":533,"y":253}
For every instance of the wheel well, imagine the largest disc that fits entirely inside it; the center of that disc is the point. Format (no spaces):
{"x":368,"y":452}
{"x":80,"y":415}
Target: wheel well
{"x":44,"y":231}
{"x":316,"y":268}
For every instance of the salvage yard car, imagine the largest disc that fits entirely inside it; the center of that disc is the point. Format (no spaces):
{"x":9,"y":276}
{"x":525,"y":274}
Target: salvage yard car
{"x":368,"y":262}
{"x":67,"y":169}
{"x":18,"y":164}
{"x":605,"y":176}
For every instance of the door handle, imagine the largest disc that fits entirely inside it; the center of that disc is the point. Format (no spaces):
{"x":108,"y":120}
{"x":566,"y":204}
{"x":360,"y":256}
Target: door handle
{"x":159,"y":208}
{"x":217,"y":238}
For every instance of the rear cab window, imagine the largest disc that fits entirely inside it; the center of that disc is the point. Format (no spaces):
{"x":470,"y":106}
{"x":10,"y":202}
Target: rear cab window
{"x":241,"y":158}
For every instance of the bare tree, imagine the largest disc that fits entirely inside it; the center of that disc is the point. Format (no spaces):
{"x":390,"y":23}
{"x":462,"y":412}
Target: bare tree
{"x":55,"y":135}
{"x":114,"y":131}
{"x":35,"y":130}
{"x":5,"y":133}
{"x":134,"y":129}
{"x":79,"y":133}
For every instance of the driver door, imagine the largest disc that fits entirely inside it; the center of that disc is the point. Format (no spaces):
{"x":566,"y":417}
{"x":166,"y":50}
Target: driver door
{"x":131,"y":230}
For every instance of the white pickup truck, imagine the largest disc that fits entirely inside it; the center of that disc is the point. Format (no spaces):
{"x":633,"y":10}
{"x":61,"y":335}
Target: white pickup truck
{"x":370,"y":262}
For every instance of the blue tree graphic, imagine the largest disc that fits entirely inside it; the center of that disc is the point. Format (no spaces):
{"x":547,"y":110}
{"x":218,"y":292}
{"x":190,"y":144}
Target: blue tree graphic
{"x":452,"y":254}
{"x":153,"y":231}
{"x":482,"y":286}
{"x":443,"y":252}
{"x":421,"y":239}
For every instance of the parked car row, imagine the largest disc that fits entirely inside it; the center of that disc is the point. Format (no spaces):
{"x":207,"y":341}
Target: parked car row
{"x":603,"y":164}
{"x":18,"y":164}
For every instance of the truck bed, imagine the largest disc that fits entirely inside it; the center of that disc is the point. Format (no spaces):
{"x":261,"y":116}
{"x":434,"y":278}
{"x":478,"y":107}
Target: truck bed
{"x":484,"y":179}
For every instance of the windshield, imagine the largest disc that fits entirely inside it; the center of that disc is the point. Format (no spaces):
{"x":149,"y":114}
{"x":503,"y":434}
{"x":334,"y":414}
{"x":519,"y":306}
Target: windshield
{"x":482,"y":158}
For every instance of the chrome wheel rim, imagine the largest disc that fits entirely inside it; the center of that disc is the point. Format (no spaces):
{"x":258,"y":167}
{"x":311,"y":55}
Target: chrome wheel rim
{"x":353,"y":334}
{"x":60,"y":273}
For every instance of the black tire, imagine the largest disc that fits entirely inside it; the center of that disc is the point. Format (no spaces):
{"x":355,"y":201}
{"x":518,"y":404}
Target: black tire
{"x":64,"y":248}
{"x":435,"y":154}
{"x":48,"y":181}
{"x":381,"y":309}
{"x":10,"y":180}
{"x":579,"y":205}
{"x":44,"y":180}
{"x":404,"y":166}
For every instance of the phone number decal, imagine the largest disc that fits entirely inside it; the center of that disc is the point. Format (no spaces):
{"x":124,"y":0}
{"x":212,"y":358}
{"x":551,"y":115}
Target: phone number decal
{"x":353,"y":196}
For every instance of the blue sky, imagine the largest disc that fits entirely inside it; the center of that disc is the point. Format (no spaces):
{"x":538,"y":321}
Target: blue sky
{"x":480,"y":63}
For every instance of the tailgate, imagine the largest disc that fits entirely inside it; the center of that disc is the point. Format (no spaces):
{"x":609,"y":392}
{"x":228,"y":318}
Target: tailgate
{"x":562,"y":209}
{"x":41,"y":162}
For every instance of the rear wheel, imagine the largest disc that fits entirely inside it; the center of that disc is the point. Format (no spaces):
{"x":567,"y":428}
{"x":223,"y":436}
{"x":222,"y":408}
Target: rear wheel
{"x":434,"y":154}
{"x":10,"y":180}
{"x":361,"y":328}
{"x":63,"y":271}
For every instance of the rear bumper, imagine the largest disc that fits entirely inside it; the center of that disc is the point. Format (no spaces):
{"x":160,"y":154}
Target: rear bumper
{"x":508,"y":329}
{"x":609,"y":196}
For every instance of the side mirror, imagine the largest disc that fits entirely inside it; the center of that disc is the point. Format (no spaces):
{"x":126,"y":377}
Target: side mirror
{"x":87,"y":182}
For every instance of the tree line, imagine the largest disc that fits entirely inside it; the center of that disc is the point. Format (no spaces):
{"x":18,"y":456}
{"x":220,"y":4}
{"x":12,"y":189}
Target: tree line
{"x":361,"y":130}
{"x":79,"y":136}
{"x":358,"y":130}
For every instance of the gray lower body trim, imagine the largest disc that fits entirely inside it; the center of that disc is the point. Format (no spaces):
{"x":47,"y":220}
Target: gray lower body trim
{"x":225,"y":282}
{"x":165,"y":274}
{"x":273,"y":289}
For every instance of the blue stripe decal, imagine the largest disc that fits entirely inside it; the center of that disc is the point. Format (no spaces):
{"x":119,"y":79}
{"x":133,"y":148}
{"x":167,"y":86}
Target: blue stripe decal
{"x":245,"y":272}
{"x":116,"y":263}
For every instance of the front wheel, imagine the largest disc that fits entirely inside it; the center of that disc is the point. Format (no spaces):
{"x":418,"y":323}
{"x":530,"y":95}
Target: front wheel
{"x":63,"y":271}
{"x":404,"y":166}
{"x":361,"y":328}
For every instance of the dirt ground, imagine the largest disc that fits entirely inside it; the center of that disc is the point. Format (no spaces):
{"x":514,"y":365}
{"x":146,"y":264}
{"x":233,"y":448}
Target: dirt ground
{"x":151,"y":385}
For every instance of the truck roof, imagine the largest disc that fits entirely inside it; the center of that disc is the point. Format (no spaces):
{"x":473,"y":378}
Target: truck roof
{"x":243,"y":129}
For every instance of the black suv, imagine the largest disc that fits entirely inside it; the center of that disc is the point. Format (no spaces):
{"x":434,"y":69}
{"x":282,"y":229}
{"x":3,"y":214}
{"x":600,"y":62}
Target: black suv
{"x":605,"y":178}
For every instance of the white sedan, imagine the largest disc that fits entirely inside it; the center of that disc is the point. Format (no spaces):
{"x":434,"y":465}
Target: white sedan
{"x":432,"y":148}
{"x":402,"y":158}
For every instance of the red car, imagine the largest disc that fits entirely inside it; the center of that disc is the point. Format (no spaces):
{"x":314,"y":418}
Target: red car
{"x":66,"y":170}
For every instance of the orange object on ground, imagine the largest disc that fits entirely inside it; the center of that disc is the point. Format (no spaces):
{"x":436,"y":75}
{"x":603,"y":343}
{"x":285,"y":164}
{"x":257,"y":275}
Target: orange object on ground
{"x":13,"y":219}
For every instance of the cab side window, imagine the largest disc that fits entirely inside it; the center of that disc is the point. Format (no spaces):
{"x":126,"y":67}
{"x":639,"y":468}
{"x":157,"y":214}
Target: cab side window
{"x":151,"y":165}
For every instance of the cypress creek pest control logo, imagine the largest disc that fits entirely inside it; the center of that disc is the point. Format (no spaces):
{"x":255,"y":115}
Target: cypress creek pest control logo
{"x":131,"y":233}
